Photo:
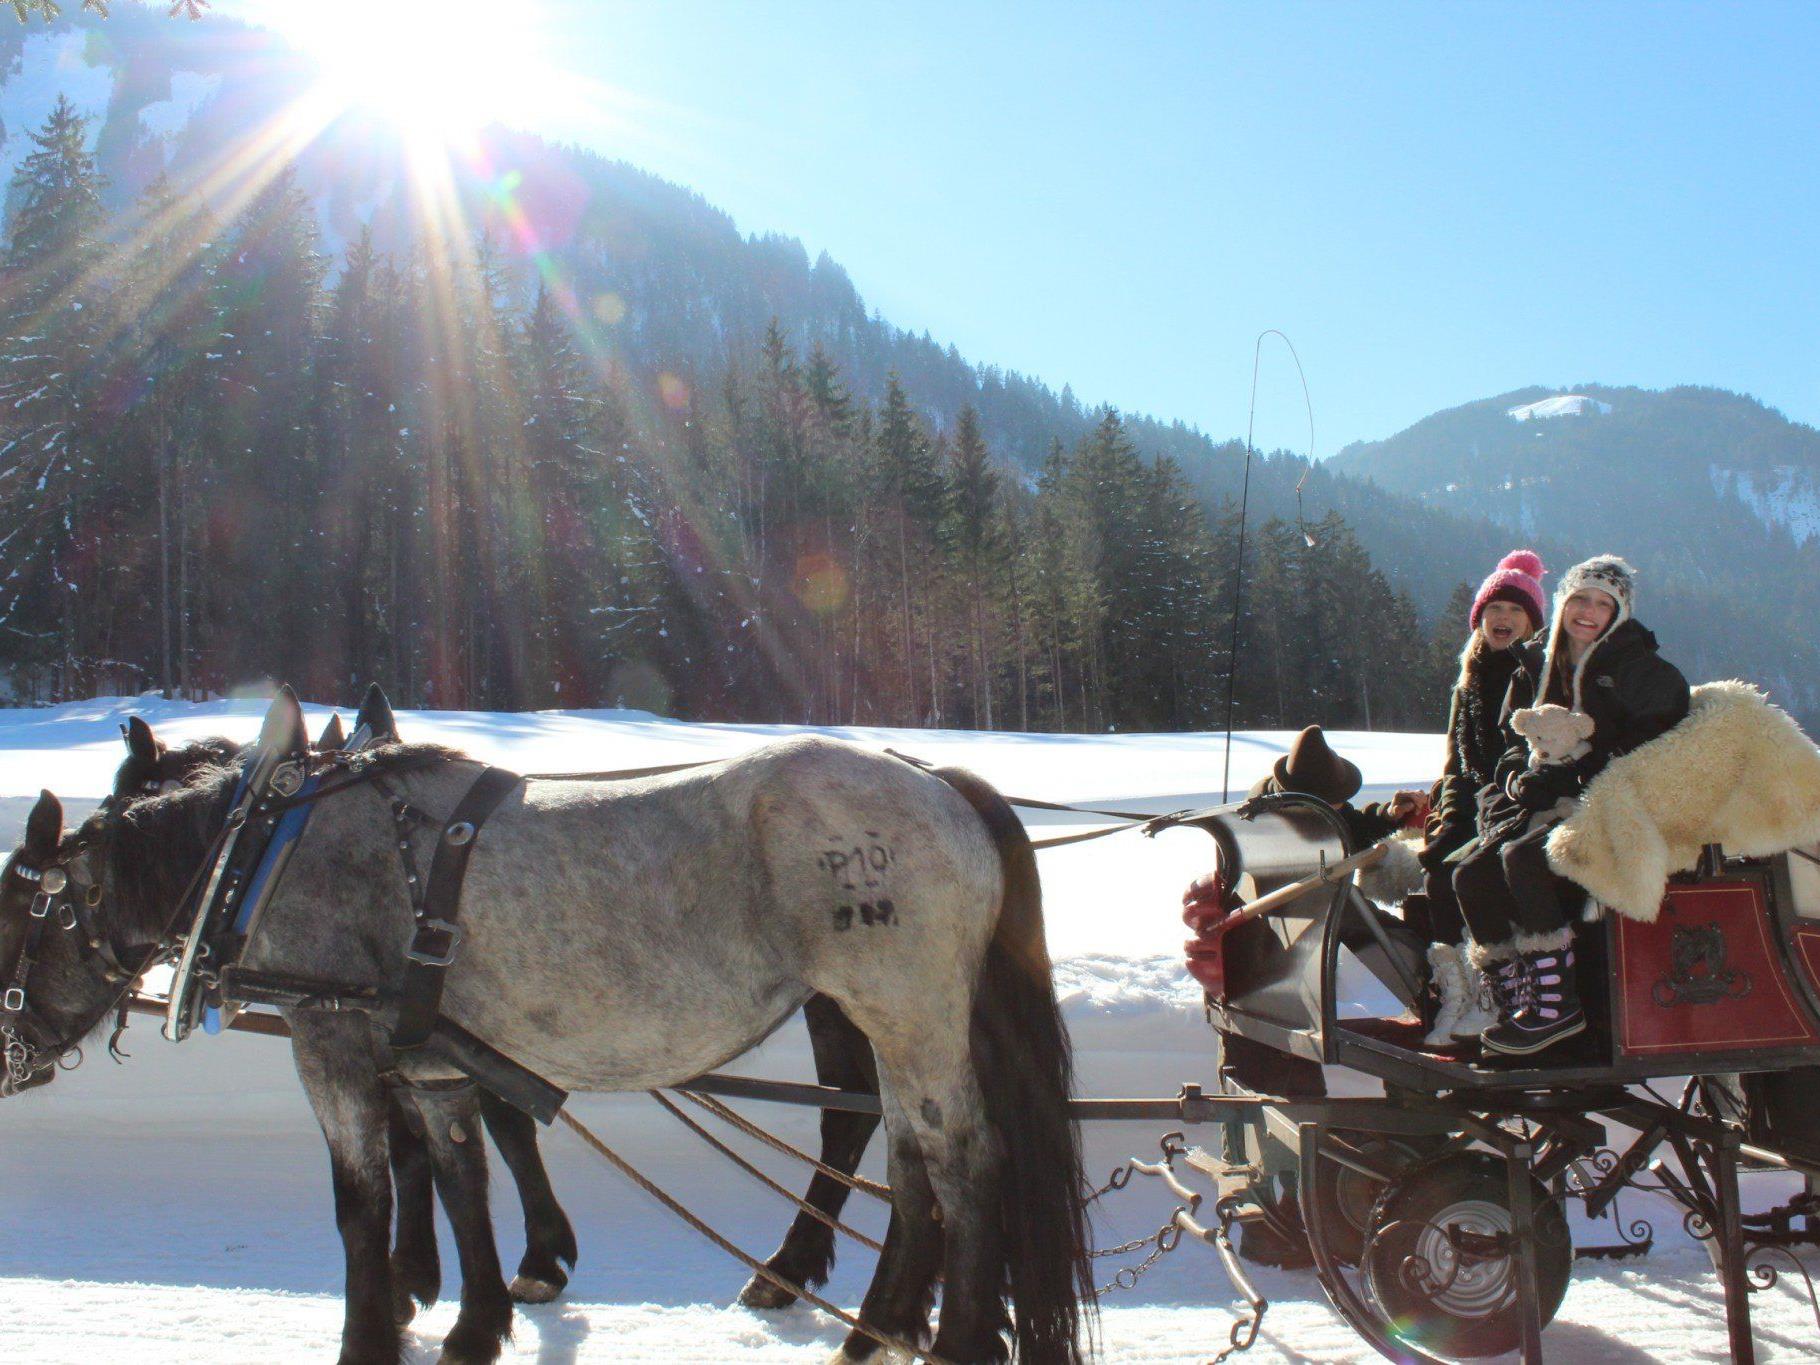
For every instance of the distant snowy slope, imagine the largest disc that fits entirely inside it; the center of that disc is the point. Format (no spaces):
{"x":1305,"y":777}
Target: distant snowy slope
{"x":1564,"y":405}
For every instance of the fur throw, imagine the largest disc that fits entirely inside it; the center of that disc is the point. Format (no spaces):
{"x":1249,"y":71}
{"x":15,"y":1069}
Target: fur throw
{"x":1737,"y":772}
{"x":1399,"y":874}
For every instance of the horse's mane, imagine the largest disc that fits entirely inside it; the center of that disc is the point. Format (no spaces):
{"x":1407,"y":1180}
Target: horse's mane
{"x":151,"y":847}
{"x":393,"y":757}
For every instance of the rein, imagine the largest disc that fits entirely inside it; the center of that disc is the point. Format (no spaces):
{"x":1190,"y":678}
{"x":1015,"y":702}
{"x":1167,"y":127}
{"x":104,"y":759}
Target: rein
{"x":29,"y":1045}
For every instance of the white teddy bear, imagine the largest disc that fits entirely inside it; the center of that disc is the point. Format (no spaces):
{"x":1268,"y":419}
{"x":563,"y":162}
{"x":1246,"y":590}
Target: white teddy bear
{"x":1556,"y":735}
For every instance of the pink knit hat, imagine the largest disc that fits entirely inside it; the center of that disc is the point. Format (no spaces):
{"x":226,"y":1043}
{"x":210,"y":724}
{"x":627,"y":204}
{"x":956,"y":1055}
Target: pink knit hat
{"x":1518,"y":578}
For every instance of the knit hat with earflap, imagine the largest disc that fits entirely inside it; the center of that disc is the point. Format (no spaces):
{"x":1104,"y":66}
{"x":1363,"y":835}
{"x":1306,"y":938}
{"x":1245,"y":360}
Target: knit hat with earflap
{"x":1518,"y":578}
{"x":1604,"y":573}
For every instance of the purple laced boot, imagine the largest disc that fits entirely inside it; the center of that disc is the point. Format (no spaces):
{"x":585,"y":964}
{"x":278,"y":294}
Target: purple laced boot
{"x":1548,"y":999}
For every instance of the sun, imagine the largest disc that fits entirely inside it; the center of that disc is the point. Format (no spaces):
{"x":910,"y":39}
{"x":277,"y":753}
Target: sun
{"x":435,"y":70}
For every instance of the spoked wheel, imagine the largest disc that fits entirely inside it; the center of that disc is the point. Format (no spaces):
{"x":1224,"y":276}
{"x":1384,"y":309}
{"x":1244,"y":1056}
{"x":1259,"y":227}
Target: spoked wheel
{"x":1439,"y":1261}
{"x":1348,"y":1195}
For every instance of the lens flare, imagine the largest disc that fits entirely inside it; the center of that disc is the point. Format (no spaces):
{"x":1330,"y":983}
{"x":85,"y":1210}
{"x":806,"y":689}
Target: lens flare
{"x":821,"y":583}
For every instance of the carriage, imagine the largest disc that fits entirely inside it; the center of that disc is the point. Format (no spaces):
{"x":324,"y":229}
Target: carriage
{"x":1436,"y":1211}
{"x":1434,"y":1200}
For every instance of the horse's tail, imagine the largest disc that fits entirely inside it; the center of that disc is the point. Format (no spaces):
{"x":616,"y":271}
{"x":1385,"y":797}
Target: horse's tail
{"x":1026,"y":1072}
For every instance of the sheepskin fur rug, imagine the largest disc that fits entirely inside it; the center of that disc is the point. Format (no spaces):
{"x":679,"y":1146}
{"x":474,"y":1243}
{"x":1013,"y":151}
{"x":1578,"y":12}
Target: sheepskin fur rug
{"x":1737,"y":772}
{"x":1399,"y":874}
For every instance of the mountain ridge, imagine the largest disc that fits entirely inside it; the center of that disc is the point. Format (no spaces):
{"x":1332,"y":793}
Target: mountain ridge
{"x":673,"y":284}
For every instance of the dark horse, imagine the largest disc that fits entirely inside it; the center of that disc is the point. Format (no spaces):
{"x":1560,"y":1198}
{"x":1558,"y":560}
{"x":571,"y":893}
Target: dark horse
{"x":628,"y":935}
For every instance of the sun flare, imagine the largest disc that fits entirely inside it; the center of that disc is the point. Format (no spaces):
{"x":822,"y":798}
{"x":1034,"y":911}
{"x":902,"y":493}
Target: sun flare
{"x":435,"y":70}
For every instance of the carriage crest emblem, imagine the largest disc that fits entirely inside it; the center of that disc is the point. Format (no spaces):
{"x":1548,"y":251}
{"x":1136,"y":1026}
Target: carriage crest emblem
{"x":1697,"y":973}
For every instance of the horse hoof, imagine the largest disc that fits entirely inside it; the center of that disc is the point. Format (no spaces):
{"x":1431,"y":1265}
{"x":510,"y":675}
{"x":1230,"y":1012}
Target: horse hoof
{"x":534,"y":1289}
{"x":760,"y":1293}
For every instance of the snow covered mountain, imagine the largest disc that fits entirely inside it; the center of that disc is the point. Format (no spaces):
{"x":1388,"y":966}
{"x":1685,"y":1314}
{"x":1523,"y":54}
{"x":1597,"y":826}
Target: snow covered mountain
{"x":1713,"y":495}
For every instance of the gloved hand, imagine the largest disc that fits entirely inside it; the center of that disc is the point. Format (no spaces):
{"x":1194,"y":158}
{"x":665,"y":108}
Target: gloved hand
{"x":1540,"y":788}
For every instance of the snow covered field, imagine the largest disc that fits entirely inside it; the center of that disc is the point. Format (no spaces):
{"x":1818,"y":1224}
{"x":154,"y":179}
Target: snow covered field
{"x":177,"y":1208}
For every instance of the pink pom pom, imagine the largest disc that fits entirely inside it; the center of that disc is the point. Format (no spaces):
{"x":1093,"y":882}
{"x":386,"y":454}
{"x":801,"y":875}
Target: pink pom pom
{"x":1523,"y":561}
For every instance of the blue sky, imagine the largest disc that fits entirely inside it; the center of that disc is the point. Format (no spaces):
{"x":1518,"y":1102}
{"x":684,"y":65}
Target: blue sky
{"x":1437,"y":202}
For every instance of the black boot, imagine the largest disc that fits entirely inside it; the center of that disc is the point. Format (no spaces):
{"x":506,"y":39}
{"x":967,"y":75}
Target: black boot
{"x":1549,"y":1010}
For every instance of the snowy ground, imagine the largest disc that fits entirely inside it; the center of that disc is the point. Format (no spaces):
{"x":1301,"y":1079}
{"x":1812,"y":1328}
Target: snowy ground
{"x":177,"y":1208}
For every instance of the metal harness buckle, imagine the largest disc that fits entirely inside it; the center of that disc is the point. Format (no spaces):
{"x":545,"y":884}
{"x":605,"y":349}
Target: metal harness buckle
{"x":424,"y":947}
{"x":13,"y":1002}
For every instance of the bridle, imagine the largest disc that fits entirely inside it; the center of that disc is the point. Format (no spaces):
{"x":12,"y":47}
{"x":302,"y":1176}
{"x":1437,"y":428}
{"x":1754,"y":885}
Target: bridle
{"x":68,"y":900}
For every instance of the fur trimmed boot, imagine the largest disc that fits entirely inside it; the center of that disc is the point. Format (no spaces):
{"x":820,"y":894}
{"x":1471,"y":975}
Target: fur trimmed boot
{"x":1481,"y":1001}
{"x":1447,"y":973}
{"x":1502,"y":971}
{"x":1550,"y":1011}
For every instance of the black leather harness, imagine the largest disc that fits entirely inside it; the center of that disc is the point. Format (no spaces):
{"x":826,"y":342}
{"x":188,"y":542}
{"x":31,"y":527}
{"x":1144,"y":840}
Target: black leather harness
{"x":437,"y":939}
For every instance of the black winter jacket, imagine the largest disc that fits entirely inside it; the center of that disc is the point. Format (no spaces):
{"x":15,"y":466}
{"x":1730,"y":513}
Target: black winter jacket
{"x":1632,"y":694}
{"x":1495,"y":682}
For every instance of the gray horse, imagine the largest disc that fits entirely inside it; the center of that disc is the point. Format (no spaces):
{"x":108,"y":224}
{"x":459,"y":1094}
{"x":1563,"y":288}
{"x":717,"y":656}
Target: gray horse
{"x":620,"y":936}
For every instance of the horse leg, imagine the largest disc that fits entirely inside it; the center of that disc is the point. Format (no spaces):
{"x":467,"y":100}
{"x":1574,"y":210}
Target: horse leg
{"x":549,"y":1240}
{"x":458,"y":1157}
{"x":416,"y":1263}
{"x":903,"y":1286}
{"x":943,"y":1114}
{"x":335,"y":1061}
{"x":843,"y":1059}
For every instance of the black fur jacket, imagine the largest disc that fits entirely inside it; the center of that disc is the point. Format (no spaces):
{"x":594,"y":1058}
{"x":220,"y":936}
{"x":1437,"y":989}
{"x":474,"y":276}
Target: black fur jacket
{"x":1493,"y":683}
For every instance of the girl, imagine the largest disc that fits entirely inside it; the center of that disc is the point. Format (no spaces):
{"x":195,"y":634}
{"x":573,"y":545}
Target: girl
{"x":1603,"y":663}
{"x":1498,"y":672}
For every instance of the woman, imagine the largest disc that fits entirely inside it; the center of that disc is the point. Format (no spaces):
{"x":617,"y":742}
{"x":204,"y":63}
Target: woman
{"x":1601,"y":662}
{"x":1498,"y":672}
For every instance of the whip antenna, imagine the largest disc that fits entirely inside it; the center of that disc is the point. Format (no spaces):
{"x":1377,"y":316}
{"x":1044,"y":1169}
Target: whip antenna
{"x":1238,"y":572}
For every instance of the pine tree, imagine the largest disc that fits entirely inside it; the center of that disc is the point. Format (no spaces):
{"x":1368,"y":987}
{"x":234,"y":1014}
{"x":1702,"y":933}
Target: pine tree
{"x":911,"y":482}
{"x":57,"y":494}
{"x":164,"y":357}
{"x":973,"y":532}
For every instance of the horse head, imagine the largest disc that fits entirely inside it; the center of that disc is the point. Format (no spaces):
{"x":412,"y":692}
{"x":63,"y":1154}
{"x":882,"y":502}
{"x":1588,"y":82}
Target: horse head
{"x":151,"y":768}
{"x":84,"y":913}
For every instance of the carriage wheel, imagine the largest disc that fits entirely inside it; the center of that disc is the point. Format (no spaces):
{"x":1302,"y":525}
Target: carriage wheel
{"x":1348,"y":1196}
{"x":1438,"y":1262}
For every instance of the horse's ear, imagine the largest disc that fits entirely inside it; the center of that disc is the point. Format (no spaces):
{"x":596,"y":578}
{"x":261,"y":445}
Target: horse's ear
{"x":375,"y":715}
{"x":283,"y":731}
{"x":44,"y":826}
{"x":332,"y":736}
{"x":141,"y":743}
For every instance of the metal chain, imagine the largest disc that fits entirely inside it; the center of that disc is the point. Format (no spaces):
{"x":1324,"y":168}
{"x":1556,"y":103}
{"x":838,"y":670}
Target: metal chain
{"x":1120,"y":1177}
{"x":1167,"y":1239}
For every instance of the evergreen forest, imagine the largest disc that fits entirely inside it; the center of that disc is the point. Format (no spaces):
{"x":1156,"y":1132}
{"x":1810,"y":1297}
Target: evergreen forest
{"x":229,"y":455}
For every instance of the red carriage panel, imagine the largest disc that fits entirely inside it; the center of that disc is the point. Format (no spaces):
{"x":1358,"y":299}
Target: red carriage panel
{"x":1707,"y":976}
